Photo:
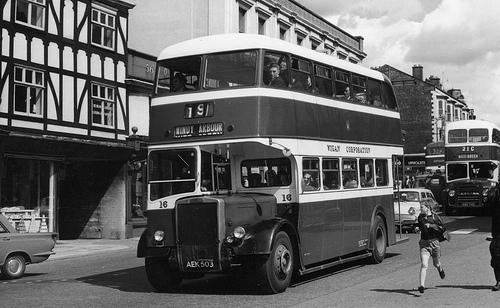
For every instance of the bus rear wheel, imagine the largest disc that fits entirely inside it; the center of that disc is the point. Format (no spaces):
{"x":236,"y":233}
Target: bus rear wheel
{"x":379,"y":240}
{"x":275,"y":274}
{"x":161,"y":275}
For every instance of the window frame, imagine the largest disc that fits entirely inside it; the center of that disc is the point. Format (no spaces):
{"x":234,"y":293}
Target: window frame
{"x":103,"y":101}
{"x":25,"y":83}
{"x":41,"y":4}
{"x":103,"y":27}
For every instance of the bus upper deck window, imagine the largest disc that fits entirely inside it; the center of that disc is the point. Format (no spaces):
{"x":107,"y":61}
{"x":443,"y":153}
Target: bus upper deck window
{"x":178,"y":75}
{"x":231,"y":70}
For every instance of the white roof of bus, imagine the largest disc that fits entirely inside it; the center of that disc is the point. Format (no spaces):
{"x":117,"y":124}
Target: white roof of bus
{"x":466,"y":124}
{"x":244,"y":41}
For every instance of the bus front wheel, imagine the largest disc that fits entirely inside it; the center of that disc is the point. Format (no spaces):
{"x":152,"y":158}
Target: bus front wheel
{"x":379,"y":240}
{"x":161,"y":275}
{"x":275,"y":274}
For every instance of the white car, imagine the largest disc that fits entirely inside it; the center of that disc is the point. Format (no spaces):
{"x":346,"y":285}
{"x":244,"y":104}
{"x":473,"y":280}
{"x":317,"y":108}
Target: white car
{"x":407,"y":205}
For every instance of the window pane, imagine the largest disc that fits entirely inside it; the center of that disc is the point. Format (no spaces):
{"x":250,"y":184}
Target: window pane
{"x":381,"y":172}
{"x":186,"y":71}
{"x":231,"y":70}
{"x":96,"y":34}
{"x":95,"y":90}
{"x":37,"y":16}
{"x":108,"y":38}
{"x":111,"y":21}
{"x":29,"y":76}
{"x":110,"y":94}
{"x":38,"y":78}
{"x":22,"y":11}
{"x":349,"y":173}
{"x":96,"y":112}
{"x":102,"y":18}
{"x":457,"y":136}
{"x":266,"y":172}
{"x":95,"y":15}
{"x":366,"y":171}
{"x":478,"y":135}
{"x":20,"y":98}
{"x":18,"y":74}
{"x":35,"y":101}
{"x":310,"y":174}
{"x":276,"y":73}
{"x":331,"y":174}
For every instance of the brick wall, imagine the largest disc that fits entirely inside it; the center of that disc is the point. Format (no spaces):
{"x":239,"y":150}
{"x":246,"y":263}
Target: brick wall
{"x":415,"y":105}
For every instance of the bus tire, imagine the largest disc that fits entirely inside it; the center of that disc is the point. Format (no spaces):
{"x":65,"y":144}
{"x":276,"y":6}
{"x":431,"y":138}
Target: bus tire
{"x":379,"y":240}
{"x":161,"y":275}
{"x":275,"y":274}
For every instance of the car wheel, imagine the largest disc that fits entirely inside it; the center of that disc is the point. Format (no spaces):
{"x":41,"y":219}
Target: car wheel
{"x":275,"y":274}
{"x":161,"y":275}
{"x":379,"y":240}
{"x":14,"y":267}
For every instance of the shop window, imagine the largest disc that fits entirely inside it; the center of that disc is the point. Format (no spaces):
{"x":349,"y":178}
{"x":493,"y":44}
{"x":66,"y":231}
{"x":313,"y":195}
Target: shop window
{"x":28,"y":91}
{"x":31,"y":12}
{"x":27,"y":195}
{"x":103,"y":29}
{"x":103,"y":99}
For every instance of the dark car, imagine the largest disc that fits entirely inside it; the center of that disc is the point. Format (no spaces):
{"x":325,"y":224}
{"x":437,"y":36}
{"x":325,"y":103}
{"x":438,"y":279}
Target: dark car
{"x":19,"y":249}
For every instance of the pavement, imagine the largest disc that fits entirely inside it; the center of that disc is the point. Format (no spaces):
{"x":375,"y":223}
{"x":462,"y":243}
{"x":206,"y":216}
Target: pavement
{"x":66,"y":249}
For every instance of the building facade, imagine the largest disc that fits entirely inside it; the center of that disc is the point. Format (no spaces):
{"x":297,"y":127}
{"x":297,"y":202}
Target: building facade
{"x":284,"y":19}
{"x":425,"y":109}
{"x":65,"y":117}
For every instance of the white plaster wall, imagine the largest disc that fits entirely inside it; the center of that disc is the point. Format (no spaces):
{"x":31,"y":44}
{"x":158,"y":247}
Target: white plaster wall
{"x":20,"y":46}
{"x":121,"y":71}
{"x":81,"y":11}
{"x":80,"y":85}
{"x":5,"y":42}
{"x":68,"y":59}
{"x":109,"y":69}
{"x":95,"y":65}
{"x":51,"y":101}
{"x":120,"y":122}
{"x":68,"y":99}
{"x":51,"y":22}
{"x":6,"y":13}
{"x":139,"y":114}
{"x":120,"y":47}
{"x":37,"y":51}
{"x":4,"y":104}
{"x":53,"y":55}
{"x":81,"y":62}
{"x":69,"y":19}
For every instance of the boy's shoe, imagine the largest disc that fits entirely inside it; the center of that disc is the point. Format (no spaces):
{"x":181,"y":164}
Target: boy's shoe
{"x":442,"y":274}
{"x":421,"y":289}
{"x":496,"y":287}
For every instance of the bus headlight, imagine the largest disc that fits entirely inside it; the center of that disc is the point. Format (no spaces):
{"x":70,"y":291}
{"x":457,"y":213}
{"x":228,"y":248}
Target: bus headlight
{"x":485,"y":191}
{"x":159,"y":235}
{"x":411,"y":211}
{"x":239,"y":232}
{"x":451,"y":193}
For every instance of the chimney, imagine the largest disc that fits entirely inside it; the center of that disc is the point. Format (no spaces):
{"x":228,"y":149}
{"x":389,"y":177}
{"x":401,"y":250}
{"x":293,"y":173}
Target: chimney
{"x":435,"y":81}
{"x":418,"y":72}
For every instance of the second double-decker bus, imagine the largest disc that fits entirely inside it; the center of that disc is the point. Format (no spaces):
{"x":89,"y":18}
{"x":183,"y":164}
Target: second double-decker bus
{"x":280,"y":177}
{"x":472,"y":154}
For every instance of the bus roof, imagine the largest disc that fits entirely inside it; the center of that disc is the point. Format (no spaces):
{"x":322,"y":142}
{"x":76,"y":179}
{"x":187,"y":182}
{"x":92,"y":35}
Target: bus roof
{"x":466,"y":124}
{"x":244,"y":41}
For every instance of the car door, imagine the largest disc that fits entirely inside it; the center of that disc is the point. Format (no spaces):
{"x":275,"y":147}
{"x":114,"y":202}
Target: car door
{"x":4,"y":242}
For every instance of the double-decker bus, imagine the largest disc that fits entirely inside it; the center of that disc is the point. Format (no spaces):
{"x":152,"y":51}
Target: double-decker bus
{"x":277,"y":178}
{"x":472,"y":154}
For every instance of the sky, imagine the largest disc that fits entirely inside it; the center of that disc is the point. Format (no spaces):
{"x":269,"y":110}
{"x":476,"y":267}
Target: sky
{"x":455,"y":40}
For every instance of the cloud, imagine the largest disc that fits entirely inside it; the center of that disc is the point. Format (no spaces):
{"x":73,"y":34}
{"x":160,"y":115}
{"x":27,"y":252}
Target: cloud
{"x":458,"y":32}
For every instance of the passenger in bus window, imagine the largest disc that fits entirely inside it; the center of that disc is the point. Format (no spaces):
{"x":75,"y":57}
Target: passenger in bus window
{"x":308,"y":182}
{"x":179,"y":83}
{"x":310,"y":87}
{"x":347,"y":93}
{"x":276,"y":80}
